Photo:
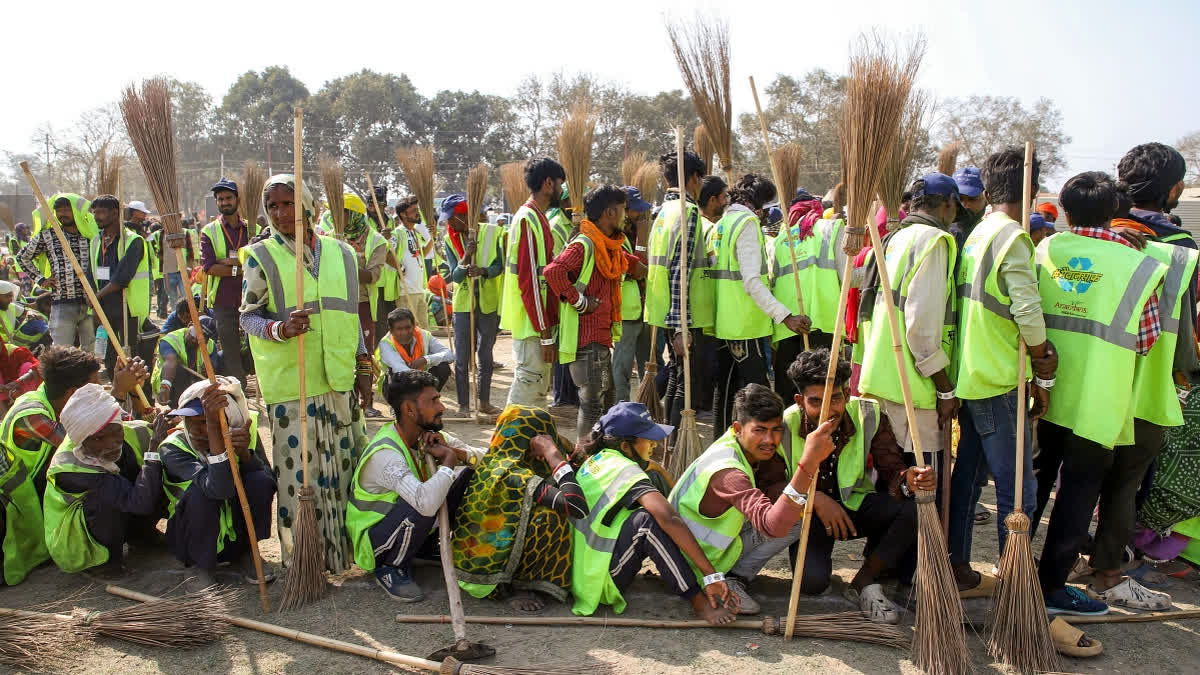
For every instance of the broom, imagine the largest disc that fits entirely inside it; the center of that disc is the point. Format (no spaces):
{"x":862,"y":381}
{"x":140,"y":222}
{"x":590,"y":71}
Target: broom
{"x":250,"y":198}
{"x":701,"y":51}
{"x":36,"y":641}
{"x":702,"y":144}
{"x":512,"y":180}
{"x":449,"y":666}
{"x":1020,"y":634}
{"x":791,"y":237}
{"x":333,"y":180}
{"x":306,"y":579}
{"x":947,"y":158}
{"x":477,"y":179}
{"x":147,"y":116}
{"x":787,"y":162}
{"x":108,"y":182}
{"x":687,"y":444}
{"x":645,"y":179}
{"x":851,"y":626}
{"x":575,"y":151}
{"x":630,"y":165}
{"x":417,"y":164}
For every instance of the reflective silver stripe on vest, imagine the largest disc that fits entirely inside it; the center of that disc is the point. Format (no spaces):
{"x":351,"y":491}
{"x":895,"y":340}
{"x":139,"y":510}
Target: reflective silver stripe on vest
{"x":1172,"y":285}
{"x":699,"y":530}
{"x":377,"y":506}
{"x":381,"y":507}
{"x":820,"y":263}
{"x":977,"y":289}
{"x":14,"y":481}
{"x":1113,"y":333}
{"x":271,"y":273}
{"x":595,"y":540}
{"x":870,"y":424}
{"x":589,"y":251}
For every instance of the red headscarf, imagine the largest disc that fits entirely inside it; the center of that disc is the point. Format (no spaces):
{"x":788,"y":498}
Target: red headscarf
{"x":806,"y":213}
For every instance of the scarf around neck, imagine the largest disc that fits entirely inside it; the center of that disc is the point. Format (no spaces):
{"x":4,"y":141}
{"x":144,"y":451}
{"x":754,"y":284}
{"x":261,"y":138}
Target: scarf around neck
{"x":610,"y":259}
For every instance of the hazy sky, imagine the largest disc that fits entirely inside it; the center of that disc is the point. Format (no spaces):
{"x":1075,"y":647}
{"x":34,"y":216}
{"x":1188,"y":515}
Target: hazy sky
{"x":1118,"y":71}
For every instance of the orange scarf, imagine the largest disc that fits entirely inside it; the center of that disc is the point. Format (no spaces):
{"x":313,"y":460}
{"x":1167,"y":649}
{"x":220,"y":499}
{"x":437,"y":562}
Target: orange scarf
{"x":418,"y":347}
{"x":610,"y":259}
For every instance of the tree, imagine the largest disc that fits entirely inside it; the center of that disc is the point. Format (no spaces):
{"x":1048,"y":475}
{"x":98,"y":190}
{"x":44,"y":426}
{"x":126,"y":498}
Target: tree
{"x":1189,"y":147}
{"x":985,"y":124}
{"x":199,"y":157}
{"x":467,"y":128}
{"x":257,"y":110}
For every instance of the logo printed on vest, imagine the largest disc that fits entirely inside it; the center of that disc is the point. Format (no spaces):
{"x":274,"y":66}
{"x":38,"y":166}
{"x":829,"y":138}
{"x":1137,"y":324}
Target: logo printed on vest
{"x":1077,"y":276}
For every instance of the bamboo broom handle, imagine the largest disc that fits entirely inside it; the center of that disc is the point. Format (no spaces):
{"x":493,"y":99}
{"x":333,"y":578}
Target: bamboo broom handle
{"x":83,"y":279}
{"x":791,"y":242}
{"x":471,"y":368}
{"x":306,"y":638}
{"x":763,"y":624}
{"x":121,"y":249}
{"x":300,"y":232}
{"x":457,"y":614}
{"x":1022,"y":400}
{"x":684,"y":282}
{"x":1132,"y":618}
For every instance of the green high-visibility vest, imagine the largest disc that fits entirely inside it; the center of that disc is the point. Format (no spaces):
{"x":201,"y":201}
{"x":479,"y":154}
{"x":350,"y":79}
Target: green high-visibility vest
{"x":738,"y":316}
{"x":664,"y":242}
{"x":174,"y":489}
{"x":718,"y":537}
{"x":155,"y":240}
{"x":389,"y":279}
{"x":29,"y":403}
{"x":1154,"y":396}
{"x":1093,"y":293}
{"x":605,"y":478}
{"x":368,"y":508}
{"x":332,"y":339}
{"x":68,"y":539}
{"x":512,"y":309}
{"x":631,"y":295}
{"x":820,"y":280}
{"x":374,"y":241}
{"x":986,"y":357}
{"x":906,"y":249}
{"x":216,"y":236}
{"x":81,"y":210}
{"x":178,"y":341}
{"x":568,"y":316}
{"x":1178,"y":236}
{"x":560,"y":229}
{"x":489,"y":289}
{"x":24,"y":534}
{"x":852,"y":479}
{"x":138,"y":292}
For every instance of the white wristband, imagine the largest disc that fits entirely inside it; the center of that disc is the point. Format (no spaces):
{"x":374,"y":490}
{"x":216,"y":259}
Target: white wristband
{"x":446,"y":470}
{"x":150,"y":457}
{"x":947,"y":395}
{"x":796,"y":497}
{"x":217,"y":459}
{"x":548,"y":342}
{"x":1044,"y":384}
{"x":713,"y":578}
{"x":562,"y":470}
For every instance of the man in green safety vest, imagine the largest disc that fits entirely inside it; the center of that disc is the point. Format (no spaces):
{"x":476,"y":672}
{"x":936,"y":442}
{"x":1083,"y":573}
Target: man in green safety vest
{"x":395,"y":496}
{"x":1103,"y":302}
{"x":746,"y":309}
{"x":71,"y":317}
{"x":586,"y":280}
{"x":1154,"y":173}
{"x":180,"y":363}
{"x":738,"y":525}
{"x":412,"y":242}
{"x":102,"y":489}
{"x":205,"y":524}
{"x":220,"y":241}
{"x":920,"y":260}
{"x":634,"y":344}
{"x":525,"y":307}
{"x":849,"y":503}
{"x":121,"y":270}
{"x":560,"y":222}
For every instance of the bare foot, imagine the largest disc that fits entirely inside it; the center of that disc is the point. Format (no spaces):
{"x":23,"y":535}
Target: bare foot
{"x":489,"y":409}
{"x":705,"y":611}
{"x":527,"y":601}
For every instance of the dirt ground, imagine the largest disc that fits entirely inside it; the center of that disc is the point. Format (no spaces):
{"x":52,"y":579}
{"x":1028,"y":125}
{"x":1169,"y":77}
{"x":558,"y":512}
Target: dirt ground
{"x":357,"y":611}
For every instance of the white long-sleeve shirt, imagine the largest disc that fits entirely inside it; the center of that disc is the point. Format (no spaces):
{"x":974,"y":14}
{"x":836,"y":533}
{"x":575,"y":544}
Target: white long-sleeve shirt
{"x":750,"y":262}
{"x":388,"y":471}
{"x":435,"y":353}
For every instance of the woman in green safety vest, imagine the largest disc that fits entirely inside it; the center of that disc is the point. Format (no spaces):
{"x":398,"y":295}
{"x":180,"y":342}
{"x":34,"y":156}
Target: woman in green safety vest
{"x":338,"y":367}
{"x":205,"y":525}
{"x":629,"y":520}
{"x":103,"y":489}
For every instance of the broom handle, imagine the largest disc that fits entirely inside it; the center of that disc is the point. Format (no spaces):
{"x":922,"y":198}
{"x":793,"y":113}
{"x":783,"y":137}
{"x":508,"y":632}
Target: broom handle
{"x":83,"y":279}
{"x":227,"y":439}
{"x":299,"y":233}
{"x":471,"y":368}
{"x":584,"y":621}
{"x":1131,"y":618}
{"x":684,"y":282}
{"x":791,"y":242}
{"x":457,"y":614}
{"x":306,"y":638}
{"x":839,"y":331}
{"x":121,"y":250}
{"x":1022,"y":400}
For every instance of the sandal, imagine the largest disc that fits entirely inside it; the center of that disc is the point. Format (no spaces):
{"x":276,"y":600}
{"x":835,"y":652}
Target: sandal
{"x":986,"y":587}
{"x":1146,"y":575}
{"x":874,"y":604}
{"x":1132,"y":595}
{"x":1070,"y":641}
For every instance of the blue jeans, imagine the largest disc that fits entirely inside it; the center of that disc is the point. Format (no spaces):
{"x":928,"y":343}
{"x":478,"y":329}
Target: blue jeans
{"x":988,"y":440}
{"x":175,"y":288}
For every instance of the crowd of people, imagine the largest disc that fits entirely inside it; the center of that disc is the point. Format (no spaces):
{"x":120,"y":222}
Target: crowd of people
{"x":1105,"y":303}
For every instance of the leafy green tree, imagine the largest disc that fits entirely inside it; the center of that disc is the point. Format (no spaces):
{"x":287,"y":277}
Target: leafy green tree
{"x":984,"y":124}
{"x":258,"y":110}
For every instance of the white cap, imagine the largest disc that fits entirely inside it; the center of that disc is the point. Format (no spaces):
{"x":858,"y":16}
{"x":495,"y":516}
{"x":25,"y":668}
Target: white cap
{"x":7,"y":287}
{"x":139,"y":206}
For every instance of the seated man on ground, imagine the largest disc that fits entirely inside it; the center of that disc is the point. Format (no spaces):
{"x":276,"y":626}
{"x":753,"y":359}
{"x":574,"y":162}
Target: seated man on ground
{"x":103,"y":489}
{"x":738,"y":526}
{"x":629,"y":520}
{"x":205,"y":524}
{"x":179,"y":364}
{"x":848,"y":504}
{"x":395,"y":500}
{"x":409,"y":347}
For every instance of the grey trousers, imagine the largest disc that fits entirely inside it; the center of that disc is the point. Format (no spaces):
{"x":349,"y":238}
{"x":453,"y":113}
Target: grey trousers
{"x":592,"y":372}
{"x":72,"y":320}
{"x":758,"y":548}
{"x":625,"y":354}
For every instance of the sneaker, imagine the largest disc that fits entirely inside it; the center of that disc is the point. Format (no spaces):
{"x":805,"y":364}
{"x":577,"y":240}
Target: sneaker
{"x":199,"y":579}
{"x":874,"y":604}
{"x":1080,"y":569}
{"x":1132,"y":595}
{"x":749,"y":604}
{"x":1071,"y":600}
{"x":398,"y":584}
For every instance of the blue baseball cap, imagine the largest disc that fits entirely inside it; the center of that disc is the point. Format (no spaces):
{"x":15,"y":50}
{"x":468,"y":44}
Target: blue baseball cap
{"x":1038,"y":222}
{"x":225,"y":184}
{"x":634,"y":201}
{"x":802,"y":195}
{"x":774,"y":215}
{"x":632,"y":419}
{"x":450,"y":206}
{"x":970,"y":183}
{"x":193,"y":408}
{"x":937,"y":184}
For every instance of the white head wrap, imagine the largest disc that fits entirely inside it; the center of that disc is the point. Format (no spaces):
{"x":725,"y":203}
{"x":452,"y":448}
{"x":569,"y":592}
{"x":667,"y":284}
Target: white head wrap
{"x":7,"y":287}
{"x":89,"y":410}
{"x":236,"y":411}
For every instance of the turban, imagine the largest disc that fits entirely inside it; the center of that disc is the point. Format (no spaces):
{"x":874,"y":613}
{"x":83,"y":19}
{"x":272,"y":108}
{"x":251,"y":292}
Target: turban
{"x":235,"y":410}
{"x":88,"y":411}
{"x":7,"y":287}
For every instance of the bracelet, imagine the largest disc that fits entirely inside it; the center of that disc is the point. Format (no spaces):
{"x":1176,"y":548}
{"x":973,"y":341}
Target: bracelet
{"x":640,"y":248}
{"x":797,"y":498}
{"x":548,"y":342}
{"x":150,"y":457}
{"x":800,"y":465}
{"x":217,"y":459}
{"x":581,"y":303}
{"x":1044,"y":384}
{"x":446,"y":470}
{"x":166,"y":383}
{"x":904,"y":489}
{"x":947,"y":395}
{"x":561,"y":470}
{"x":713,"y":578}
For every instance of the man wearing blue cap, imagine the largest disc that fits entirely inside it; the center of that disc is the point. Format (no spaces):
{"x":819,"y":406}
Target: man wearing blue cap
{"x":634,"y":343}
{"x":972,"y":203}
{"x":920,"y":257}
{"x":220,"y":241}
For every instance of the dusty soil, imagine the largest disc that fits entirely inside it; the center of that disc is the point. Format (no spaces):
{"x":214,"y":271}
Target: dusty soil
{"x":357,"y":611}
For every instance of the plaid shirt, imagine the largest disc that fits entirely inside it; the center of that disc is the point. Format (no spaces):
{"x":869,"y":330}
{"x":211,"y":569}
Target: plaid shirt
{"x":1150,"y":325}
{"x":68,"y":287}
{"x":674,"y":272}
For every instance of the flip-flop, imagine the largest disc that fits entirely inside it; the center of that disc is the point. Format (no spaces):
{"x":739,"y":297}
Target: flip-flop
{"x":1070,"y":641}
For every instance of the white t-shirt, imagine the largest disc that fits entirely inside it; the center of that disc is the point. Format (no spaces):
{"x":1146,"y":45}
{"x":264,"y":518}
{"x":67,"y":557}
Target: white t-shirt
{"x":412,"y":261}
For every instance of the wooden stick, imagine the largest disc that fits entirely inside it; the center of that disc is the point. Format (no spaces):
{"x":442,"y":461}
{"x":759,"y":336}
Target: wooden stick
{"x":121,"y":249}
{"x":747,"y":624}
{"x":83,"y":278}
{"x":684,"y":281}
{"x":791,"y":242}
{"x":472,"y":369}
{"x":1173,"y":615}
{"x":300,"y":234}
{"x":1022,"y":396}
{"x":947,"y":441}
{"x":457,"y":614}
